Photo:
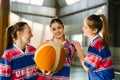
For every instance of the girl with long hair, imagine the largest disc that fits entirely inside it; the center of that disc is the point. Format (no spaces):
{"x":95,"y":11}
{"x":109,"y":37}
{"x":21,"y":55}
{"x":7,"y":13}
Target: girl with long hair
{"x":98,"y":61}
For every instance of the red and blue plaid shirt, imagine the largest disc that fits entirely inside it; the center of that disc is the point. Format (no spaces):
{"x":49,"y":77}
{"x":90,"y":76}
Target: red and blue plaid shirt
{"x":18,"y":65}
{"x":99,"y":61}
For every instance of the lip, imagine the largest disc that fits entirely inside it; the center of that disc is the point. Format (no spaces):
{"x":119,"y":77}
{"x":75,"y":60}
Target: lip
{"x":58,"y":33}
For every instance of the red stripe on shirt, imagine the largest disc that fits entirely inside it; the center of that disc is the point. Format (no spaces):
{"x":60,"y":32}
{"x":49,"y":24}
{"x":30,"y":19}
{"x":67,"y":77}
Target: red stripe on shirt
{"x":5,"y":70}
{"x":92,"y":59}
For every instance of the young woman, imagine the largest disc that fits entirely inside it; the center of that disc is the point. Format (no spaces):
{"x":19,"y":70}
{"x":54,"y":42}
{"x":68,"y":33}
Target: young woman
{"x":57,"y":29}
{"x":17,"y":62}
{"x":98,"y":61}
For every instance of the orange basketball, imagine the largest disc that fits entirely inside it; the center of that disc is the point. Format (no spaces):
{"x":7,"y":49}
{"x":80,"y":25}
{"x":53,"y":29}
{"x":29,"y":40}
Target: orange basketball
{"x":50,"y":56}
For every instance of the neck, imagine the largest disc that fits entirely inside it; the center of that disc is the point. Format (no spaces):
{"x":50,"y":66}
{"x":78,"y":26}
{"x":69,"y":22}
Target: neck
{"x":20,"y":45}
{"x":92,"y":37}
{"x":59,"y":40}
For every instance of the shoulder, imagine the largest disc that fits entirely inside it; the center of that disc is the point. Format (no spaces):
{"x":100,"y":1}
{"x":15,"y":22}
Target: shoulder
{"x":97,"y":43}
{"x":10,"y":53}
{"x":69,"y":45}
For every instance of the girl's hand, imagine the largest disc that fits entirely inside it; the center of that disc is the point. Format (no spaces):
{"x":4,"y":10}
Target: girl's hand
{"x":47,"y":72}
{"x":76,"y":44}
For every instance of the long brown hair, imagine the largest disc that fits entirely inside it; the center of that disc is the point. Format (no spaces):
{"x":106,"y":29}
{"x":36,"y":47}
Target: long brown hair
{"x":11,"y":33}
{"x":99,"y":22}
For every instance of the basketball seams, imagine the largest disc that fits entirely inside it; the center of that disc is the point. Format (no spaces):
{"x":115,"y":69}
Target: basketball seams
{"x":57,"y":56}
{"x":57,"y":51}
{"x":36,"y":52}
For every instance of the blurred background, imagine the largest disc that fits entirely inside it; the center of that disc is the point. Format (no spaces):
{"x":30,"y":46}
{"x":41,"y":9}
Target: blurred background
{"x":38,"y":14}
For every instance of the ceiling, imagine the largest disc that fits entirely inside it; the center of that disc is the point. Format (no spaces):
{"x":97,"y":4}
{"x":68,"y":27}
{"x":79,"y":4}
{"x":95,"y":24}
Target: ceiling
{"x":54,"y":3}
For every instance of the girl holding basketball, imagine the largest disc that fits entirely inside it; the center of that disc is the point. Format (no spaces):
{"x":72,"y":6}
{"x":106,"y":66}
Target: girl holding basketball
{"x":57,"y":29}
{"x":98,"y":61}
{"x":17,"y":61}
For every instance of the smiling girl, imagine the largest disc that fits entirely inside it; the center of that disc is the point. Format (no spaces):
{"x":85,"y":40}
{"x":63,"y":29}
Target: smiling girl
{"x":98,"y":61}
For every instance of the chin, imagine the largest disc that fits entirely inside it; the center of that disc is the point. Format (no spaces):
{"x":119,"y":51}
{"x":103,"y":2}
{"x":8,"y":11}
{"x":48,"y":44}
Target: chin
{"x":85,"y":34}
{"x":59,"y":37}
{"x":28,"y":42}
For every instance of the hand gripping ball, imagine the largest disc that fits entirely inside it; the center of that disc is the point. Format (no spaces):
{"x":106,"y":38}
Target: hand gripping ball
{"x":50,"y":57}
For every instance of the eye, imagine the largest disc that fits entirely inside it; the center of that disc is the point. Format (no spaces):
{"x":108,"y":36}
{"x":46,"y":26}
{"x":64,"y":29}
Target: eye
{"x":30,"y":31}
{"x":59,"y":27}
{"x":53,"y":29}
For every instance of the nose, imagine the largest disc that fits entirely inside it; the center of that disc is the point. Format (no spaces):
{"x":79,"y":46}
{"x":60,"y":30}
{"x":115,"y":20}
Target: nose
{"x":83,"y":28}
{"x":57,"y":30}
{"x":31,"y":35}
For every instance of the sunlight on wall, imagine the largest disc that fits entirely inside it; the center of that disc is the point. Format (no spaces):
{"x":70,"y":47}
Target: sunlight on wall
{"x":37,"y":34}
{"x":69,"y":2}
{"x":36,"y":2}
{"x":48,"y":34}
{"x":13,"y":18}
{"x":28,"y":21}
{"x":77,"y":37}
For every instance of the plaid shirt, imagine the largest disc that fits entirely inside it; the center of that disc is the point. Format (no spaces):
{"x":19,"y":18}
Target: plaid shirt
{"x":18,"y":65}
{"x":99,"y":61}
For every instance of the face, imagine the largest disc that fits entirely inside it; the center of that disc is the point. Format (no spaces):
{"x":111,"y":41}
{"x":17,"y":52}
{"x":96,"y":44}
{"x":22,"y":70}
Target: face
{"x":87,"y":30}
{"x":26,"y":35}
{"x":57,"y":30}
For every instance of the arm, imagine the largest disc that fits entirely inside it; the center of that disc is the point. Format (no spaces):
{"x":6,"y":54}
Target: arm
{"x":5,"y":69}
{"x":70,"y":50}
{"x":80,"y":54}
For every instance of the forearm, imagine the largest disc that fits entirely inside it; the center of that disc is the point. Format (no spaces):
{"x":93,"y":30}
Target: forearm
{"x":82,"y":58}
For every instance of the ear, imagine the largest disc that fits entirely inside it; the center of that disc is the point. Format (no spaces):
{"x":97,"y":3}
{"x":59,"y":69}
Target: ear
{"x":19,"y":33}
{"x":95,"y":31}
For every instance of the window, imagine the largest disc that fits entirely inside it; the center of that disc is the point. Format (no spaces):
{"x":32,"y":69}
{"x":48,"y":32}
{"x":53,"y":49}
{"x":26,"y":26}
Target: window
{"x":12,"y":0}
{"x":37,"y":2}
{"x":23,"y":1}
{"x":69,"y":2}
{"x":77,"y":37}
{"x":13,"y":18}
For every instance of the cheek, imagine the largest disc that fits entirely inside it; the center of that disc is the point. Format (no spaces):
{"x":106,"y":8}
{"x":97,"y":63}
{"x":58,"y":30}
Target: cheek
{"x":26,"y":38}
{"x":53,"y":32}
{"x":86,"y":32}
{"x":23,"y":39}
{"x":62,"y":31}
{"x":30,"y":35}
